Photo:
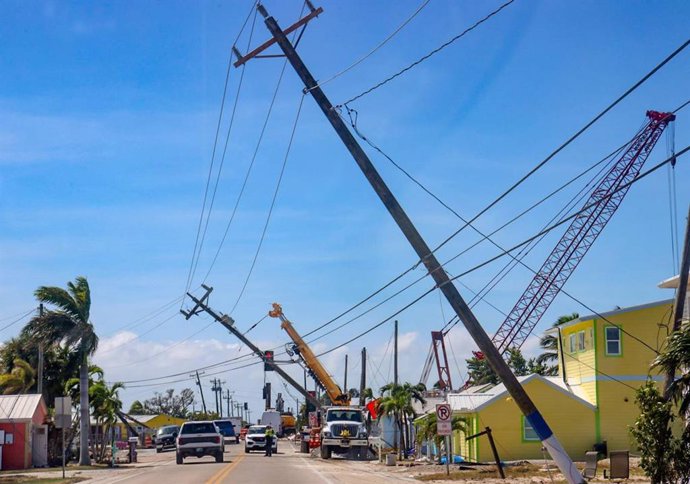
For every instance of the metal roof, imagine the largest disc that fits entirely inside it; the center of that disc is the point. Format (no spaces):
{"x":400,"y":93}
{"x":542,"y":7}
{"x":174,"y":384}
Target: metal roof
{"x":18,"y":407}
{"x":607,"y":314}
{"x":480,"y":396}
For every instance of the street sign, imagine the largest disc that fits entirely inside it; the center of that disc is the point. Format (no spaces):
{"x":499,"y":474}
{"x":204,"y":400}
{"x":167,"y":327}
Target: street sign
{"x":444,"y":415}
{"x":63,"y":412}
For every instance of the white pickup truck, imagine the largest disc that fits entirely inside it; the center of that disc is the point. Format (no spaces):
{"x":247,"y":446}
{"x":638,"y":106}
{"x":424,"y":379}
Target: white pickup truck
{"x":199,"y":439}
{"x":344,"y":431}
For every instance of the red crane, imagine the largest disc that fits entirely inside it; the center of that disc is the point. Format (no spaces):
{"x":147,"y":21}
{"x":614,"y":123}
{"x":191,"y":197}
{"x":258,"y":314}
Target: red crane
{"x":565,"y":257}
{"x":580,"y":235}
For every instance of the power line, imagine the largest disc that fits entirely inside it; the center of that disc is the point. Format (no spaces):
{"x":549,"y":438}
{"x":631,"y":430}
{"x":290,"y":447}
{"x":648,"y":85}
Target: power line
{"x":404,"y":273}
{"x":378,"y":46}
{"x":478,"y":266}
{"x":194,"y":260}
{"x":273,"y":201}
{"x":22,"y":313}
{"x":23,"y":316}
{"x":222,"y":159}
{"x":568,"y":141}
{"x":433,"y":52}
{"x":506,"y":252}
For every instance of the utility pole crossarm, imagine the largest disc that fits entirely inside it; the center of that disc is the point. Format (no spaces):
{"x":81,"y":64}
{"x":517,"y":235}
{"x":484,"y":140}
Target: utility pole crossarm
{"x":242,"y":59}
{"x":229,"y":324}
{"x":427,"y":257}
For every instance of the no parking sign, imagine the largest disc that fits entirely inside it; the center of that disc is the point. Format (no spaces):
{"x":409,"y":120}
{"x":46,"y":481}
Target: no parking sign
{"x":443,"y":419}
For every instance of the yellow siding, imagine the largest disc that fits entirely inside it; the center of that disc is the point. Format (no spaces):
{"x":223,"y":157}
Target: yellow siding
{"x":468,"y":450}
{"x":161,"y":420}
{"x":615,"y":401}
{"x":643,"y":324}
{"x":580,"y":364}
{"x":571,"y":420}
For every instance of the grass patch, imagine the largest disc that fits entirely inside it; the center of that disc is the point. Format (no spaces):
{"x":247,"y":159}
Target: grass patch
{"x":489,"y":472}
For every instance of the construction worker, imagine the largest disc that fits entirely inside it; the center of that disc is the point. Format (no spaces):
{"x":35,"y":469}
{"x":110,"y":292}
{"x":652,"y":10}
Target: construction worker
{"x":270,"y":435}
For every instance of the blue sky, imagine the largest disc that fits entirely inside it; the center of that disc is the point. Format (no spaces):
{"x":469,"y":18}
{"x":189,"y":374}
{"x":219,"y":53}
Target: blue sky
{"x":108,"y":118}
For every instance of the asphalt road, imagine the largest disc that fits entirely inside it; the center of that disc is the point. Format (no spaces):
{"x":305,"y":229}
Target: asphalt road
{"x":286,"y":467}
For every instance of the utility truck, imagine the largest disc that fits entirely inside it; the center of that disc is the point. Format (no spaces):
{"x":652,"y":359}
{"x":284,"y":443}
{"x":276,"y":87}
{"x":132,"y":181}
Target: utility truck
{"x":343,"y":427}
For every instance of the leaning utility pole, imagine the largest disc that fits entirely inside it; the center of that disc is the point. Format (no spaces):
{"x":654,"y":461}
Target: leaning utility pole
{"x":229,"y":324}
{"x":363,"y":378}
{"x":679,"y":303}
{"x":201,"y":391}
{"x":415,"y":239}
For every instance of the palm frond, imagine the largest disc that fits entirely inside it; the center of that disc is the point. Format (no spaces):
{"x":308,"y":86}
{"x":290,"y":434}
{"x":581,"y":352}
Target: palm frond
{"x":58,"y":297}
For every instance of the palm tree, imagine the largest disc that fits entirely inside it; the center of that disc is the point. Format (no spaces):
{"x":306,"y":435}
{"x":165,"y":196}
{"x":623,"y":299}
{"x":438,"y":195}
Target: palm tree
{"x":106,"y":404}
{"x":427,"y":428}
{"x":19,"y":380}
{"x":68,"y":325}
{"x":396,"y":402}
{"x":549,"y":344}
{"x":676,"y":357}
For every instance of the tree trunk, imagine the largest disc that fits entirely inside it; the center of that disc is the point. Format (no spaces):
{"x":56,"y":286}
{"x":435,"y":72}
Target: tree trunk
{"x":84,"y":427}
{"x":403,"y":446}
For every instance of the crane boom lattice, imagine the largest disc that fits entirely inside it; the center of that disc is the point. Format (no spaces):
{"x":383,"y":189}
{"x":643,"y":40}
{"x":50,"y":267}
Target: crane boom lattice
{"x":579,"y":237}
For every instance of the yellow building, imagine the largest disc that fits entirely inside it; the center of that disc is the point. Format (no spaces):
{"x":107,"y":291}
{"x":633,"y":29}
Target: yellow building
{"x":602,"y":360}
{"x":151,"y":423}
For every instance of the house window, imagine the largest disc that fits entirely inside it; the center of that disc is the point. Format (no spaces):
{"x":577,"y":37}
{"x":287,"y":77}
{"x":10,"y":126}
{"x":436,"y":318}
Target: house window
{"x":613,"y":340}
{"x":528,"y":433}
{"x":572,"y":340}
{"x":577,"y":341}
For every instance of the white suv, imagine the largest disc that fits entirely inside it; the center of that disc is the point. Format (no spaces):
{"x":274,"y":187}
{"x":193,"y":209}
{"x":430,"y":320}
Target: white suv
{"x":256,"y":439}
{"x":199,"y":439}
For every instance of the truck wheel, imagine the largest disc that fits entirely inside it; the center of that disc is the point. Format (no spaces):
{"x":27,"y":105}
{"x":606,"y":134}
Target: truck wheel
{"x":325,"y":452}
{"x":179,"y":459}
{"x":219,"y":457}
{"x":159,"y":450}
{"x":246,"y":450}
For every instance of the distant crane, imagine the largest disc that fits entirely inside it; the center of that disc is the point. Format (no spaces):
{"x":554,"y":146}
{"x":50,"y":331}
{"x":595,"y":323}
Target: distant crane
{"x":579,"y":236}
{"x":570,"y":249}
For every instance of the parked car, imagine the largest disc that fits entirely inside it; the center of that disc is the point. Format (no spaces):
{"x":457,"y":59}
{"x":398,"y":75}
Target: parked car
{"x":199,"y":439}
{"x":165,"y":437}
{"x":227,"y":430}
{"x":256,"y":439}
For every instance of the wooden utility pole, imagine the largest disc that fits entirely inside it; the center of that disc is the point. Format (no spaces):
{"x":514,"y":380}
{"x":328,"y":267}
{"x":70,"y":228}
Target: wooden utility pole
{"x":345,"y":390}
{"x":215,"y":389}
{"x":426,"y":256}
{"x":679,"y":303}
{"x":363,"y":378}
{"x":40,"y":358}
{"x":395,"y":353}
{"x":227,"y":401}
{"x":201,"y":391}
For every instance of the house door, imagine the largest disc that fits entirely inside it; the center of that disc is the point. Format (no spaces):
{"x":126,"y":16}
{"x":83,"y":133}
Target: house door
{"x":39,"y":446}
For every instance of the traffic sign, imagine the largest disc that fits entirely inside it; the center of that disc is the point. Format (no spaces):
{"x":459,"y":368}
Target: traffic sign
{"x":63,"y":412}
{"x":444,"y":416}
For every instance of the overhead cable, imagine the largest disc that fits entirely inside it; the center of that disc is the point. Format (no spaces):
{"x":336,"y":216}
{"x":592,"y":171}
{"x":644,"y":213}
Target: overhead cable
{"x":596,"y":118}
{"x":372,"y":51}
{"x":433,"y":52}
{"x":508,"y":251}
{"x":273,"y":202}
{"x":210,"y":170}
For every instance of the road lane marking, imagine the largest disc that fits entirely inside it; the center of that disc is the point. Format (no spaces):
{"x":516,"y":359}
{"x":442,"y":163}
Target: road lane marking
{"x":223,"y":473}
